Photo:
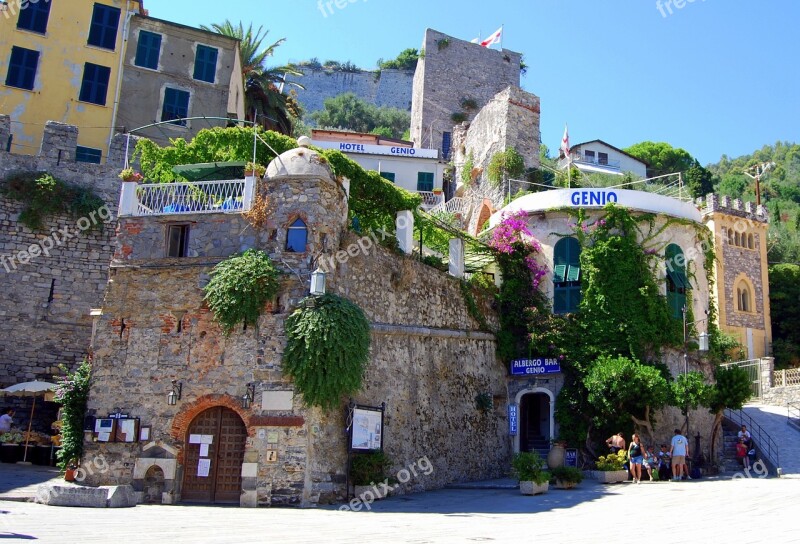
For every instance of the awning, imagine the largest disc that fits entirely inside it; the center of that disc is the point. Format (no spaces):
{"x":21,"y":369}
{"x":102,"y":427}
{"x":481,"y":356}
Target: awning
{"x":211,"y":171}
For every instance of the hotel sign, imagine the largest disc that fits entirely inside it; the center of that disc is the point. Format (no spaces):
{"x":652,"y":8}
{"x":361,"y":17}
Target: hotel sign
{"x":533,"y":367}
{"x":513,"y":420}
{"x":367,"y":149}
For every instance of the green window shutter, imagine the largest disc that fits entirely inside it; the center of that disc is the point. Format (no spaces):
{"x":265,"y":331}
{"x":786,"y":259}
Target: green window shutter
{"x":425,"y":181}
{"x":559,"y":273}
{"x":574,"y":273}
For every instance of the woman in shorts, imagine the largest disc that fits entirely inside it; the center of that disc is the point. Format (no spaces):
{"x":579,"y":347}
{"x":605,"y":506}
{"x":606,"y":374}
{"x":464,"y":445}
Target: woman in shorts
{"x":636,"y":456}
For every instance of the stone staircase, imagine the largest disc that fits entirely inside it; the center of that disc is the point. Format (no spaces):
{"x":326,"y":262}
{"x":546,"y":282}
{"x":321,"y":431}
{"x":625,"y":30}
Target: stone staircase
{"x":729,"y":462}
{"x":540,"y":445}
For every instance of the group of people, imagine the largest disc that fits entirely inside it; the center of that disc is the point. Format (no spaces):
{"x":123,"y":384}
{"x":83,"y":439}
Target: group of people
{"x":744,"y":447}
{"x":670,"y":463}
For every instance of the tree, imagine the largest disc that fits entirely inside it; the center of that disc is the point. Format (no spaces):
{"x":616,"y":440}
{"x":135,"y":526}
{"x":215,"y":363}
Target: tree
{"x":784,"y":293}
{"x":731,"y":391}
{"x":264,"y":100}
{"x":689,"y":392}
{"x":662,"y":158}
{"x":406,"y":60}
{"x":699,"y":181}
{"x":622,"y":390}
{"x":347,"y":111}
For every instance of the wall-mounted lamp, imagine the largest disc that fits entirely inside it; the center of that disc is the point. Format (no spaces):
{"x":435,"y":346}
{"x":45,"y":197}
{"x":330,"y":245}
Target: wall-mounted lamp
{"x":174,"y":394}
{"x":249,"y":395}
{"x":318,"y":282}
{"x":703,"y":341}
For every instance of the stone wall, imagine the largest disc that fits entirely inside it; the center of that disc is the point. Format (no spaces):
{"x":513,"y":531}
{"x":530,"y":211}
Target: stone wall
{"x":451,"y":71}
{"x":51,"y":279}
{"x":389,"y":88}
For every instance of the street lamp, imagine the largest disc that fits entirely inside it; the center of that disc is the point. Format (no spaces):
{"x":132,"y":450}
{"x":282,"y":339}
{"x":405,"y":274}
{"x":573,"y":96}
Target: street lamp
{"x":249,"y":395}
{"x":174,"y":394}
{"x":318,"y":282}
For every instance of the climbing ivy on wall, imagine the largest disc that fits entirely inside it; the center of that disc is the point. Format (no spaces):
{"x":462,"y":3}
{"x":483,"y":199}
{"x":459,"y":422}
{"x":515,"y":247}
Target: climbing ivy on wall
{"x":72,"y":392}
{"x":374,"y":201}
{"x":45,"y":196}
{"x":327,"y":349}
{"x":240,"y":287}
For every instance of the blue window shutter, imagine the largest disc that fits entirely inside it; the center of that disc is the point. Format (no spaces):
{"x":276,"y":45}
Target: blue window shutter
{"x":205,"y":63}
{"x":88,"y":154}
{"x":94,"y":87}
{"x":446,"y":143}
{"x":104,"y":26}
{"x":176,"y":105}
{"x":148,"y":50}
{"x":34,"y":17}
{"x":22,"y":68}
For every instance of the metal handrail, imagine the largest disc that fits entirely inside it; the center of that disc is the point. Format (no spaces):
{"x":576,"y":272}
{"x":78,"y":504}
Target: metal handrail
{"x":793,"y":415}
{"x":765,"y":443}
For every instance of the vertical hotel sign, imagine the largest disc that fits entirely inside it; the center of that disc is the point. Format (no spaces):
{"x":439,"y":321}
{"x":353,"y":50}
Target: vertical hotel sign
{"x":513,"y":419}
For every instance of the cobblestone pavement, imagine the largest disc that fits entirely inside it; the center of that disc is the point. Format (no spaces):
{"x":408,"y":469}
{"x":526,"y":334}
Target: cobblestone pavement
{"x":722,"y":510}
{"x":773,"y":420}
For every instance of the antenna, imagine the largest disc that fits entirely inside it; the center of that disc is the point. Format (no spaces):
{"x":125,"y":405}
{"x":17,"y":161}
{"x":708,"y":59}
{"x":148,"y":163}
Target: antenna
{"x":756,"y":172}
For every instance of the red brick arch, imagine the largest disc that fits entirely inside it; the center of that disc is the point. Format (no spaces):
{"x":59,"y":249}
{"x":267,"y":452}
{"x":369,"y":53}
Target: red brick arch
{"x":190,"y":410}
{"x":484,"y":215}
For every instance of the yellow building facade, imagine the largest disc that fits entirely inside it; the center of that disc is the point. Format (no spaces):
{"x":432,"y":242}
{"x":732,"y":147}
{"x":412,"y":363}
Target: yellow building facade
{"x":741,"y":291}
{"x":61,"y":60}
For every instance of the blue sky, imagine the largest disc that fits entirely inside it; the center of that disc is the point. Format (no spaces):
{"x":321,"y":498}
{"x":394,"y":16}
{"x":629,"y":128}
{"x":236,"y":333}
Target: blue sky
{"x":713,"y":77}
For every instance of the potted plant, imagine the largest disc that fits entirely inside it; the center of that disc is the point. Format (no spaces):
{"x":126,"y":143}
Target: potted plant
{"x":129,"y":174}
{"x":528,"y":467}
{"x":70,"y":469}
{"x":610,"y":468}
{"x":368,"y":471}
{"x":254,"y":169}
{"x":557,"y":454}
{"x":567,"y":477}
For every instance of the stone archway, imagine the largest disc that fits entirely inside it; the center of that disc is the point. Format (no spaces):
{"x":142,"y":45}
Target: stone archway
{"x":539,"y":401}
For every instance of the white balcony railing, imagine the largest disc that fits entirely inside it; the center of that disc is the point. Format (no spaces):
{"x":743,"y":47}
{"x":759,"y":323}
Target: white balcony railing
{"x":430,"y":199}
{"x":228,"y":196}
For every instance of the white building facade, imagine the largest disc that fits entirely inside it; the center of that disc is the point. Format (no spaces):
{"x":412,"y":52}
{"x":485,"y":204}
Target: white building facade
{"x":600,"y":157}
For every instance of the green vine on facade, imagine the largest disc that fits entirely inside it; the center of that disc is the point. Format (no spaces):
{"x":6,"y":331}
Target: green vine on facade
{"x":44,"y":196}
{"x":472,"y":305}
{"x":505,"y":164}
{"x":467,"y":168}
{"x":327,"y":349}
{"x":72,"y":392}
{"x":240,"y":287}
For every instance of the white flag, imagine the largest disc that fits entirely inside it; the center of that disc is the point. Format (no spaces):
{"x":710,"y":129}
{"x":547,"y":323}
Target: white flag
{"x":494,"y":38}
{"x":565,"y":142}
{"x":475,"y":40}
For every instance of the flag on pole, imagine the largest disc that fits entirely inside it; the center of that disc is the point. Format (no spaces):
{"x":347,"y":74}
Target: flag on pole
{"x":497,"y":37}
{"x":565,"y":142}
{"x":475,"y":40}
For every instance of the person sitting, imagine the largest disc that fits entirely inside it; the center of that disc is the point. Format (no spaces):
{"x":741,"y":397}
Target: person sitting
{"x":745,"y":434}
{"x":741,"y":454}
{"x":664,"y":464}
{"x":650,"y":461}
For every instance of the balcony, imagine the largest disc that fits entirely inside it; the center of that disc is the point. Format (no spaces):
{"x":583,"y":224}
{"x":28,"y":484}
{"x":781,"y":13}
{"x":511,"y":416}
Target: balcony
{"x":226,"y":196}
{"x":590,"y":161}
{"x":430,"y":199}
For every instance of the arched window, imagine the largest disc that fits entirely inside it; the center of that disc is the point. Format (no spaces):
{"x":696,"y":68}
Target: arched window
{"x":297,"y":237}
{"x":677,"y":283}
{"x":566,"y":276}
{"x":743,"y":301}
{"x":730,"y":237}
{"x":750,"y":242}
{"x":737,"y":239}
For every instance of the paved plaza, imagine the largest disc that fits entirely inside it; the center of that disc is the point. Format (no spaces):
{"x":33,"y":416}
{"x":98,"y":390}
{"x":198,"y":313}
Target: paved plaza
{"x":715,"y":510}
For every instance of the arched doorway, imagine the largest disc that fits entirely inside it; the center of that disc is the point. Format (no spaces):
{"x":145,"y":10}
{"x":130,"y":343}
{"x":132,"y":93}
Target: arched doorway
{"x":536,"y":420}
{"x":213,"y":453}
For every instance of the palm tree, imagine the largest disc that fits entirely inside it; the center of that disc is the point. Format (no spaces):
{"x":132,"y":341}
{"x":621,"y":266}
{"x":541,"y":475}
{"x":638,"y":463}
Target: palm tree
{"x":264,"y":98}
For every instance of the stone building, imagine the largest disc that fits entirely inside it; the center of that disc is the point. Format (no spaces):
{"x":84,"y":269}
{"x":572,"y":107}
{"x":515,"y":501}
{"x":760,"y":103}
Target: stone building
{"x":428,"y":360}
{"x":173,"y":71}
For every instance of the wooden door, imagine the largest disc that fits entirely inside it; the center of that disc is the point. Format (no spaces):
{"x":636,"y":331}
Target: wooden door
{"x":228,"y":434}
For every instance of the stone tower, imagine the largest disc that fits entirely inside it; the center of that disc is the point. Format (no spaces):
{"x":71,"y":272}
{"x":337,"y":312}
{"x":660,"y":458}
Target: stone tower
{"x":455,"y":77}
{"x":742,"y":284}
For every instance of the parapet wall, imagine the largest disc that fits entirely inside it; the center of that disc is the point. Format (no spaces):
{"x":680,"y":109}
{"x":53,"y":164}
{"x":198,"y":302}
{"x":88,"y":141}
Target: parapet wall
{"x":713,"y":203}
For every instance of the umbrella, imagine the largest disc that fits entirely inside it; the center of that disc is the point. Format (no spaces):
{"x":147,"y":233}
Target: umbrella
{"x":29,"y":389}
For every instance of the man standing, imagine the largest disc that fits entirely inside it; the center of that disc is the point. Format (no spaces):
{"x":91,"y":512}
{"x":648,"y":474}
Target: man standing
{"x":679,"y":452}
{"x":6,"y":420}
{"x":616,"y":443}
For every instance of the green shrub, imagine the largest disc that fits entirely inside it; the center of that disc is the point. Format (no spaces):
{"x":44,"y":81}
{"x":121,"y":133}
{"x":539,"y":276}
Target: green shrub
{"x":612,"y":461}
{"x":72,"y":392}
{"x":529,"y":467}
{"x":570,"y":475}
{"x":370,"y":468}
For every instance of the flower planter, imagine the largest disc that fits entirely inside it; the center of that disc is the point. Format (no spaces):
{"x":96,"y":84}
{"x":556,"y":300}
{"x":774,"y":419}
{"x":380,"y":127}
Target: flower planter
{"x":611,"y":476}
{"x":532,"y":488}
{"x":560,"y":484}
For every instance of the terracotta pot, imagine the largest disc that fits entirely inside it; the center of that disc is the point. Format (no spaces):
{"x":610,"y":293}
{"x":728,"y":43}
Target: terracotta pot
{"x":69,"y":474}
{"x":555,"y":458}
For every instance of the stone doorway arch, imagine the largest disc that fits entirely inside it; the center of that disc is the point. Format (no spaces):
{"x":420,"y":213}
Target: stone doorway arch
{"x":536,"y":412}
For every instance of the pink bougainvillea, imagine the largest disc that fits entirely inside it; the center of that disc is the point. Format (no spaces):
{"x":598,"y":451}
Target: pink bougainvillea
{"x":512,"y":236}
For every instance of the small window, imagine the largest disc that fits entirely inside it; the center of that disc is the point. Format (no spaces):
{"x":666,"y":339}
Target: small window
{"x":737,"y":240}
{"x":148,"y":50}
{"x":205,"y":63}
{"x":176,"y":106}
{"x":34,"y":16}
{"x":388,"y":175}
{"x":88,"y":154}
{"x":103,"y":30}
{"x":425,"y":181}
{"x":22,"y":68}
{"x":602,"y":158}
{"x":177,"y":240}
{"x":297,"y":237}
{"x":94,"y":87}
{"x":589,"y":155}
{"x":744,"y":303}
{"x":730,"y":237}
{"x":677,"y":282}
{"x":750,"y":242}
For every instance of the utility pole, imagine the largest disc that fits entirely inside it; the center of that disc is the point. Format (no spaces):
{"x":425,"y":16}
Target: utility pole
{"x":756,"y":172}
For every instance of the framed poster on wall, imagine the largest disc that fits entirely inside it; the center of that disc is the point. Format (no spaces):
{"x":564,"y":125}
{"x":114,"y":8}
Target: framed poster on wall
{"x":366,"y":428}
